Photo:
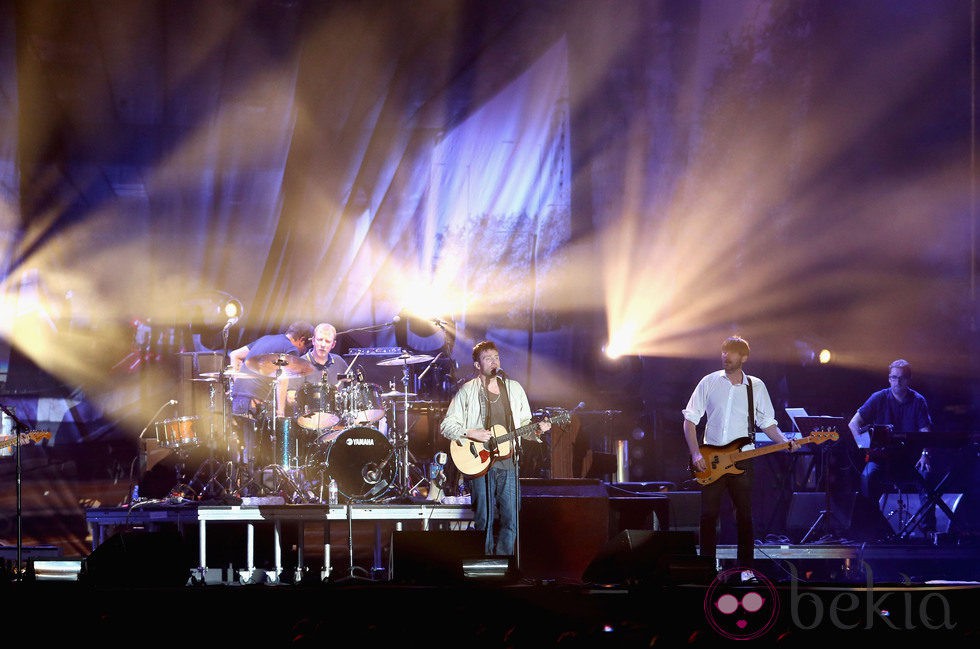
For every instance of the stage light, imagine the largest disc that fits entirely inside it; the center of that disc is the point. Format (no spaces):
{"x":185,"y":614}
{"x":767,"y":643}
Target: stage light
{"x":612,"y":351}
{"x":824,"y":356}
{"x":233,"y":309}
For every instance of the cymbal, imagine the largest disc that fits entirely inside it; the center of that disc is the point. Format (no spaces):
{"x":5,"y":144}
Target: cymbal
{"x":214,"y":376}
{"x":270,"y":364}
{"x":395,"y":393}
{"x":405,"y":359}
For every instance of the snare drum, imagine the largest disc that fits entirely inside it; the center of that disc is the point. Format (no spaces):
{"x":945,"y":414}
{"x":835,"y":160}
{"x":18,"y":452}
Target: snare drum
{"x":177,"y":433}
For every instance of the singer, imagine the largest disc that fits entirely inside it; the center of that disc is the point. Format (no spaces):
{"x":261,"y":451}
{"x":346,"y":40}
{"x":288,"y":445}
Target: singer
{"x":486,"y":408}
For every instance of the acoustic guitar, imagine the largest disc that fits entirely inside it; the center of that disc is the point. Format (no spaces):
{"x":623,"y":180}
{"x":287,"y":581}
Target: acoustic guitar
{"x":474,"y":459}
{"x":721,"y":459}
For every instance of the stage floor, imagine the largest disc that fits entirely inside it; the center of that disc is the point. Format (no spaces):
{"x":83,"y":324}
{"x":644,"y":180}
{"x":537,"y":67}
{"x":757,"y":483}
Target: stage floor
{"x":492,"y":613}
{"x":401,"y":574}
{"x":318,"y":543}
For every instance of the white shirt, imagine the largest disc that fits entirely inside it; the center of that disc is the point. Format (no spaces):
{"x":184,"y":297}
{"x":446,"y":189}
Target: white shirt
{"x":727,"y":407}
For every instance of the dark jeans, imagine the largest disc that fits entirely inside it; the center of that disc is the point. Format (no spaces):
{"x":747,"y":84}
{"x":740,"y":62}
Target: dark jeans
{"x":739,"y":489}
{"x":494,"y":496}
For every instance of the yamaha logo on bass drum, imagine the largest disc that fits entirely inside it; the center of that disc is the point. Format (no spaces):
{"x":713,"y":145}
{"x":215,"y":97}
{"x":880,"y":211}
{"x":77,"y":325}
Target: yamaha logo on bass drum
{"x":360,"y":441}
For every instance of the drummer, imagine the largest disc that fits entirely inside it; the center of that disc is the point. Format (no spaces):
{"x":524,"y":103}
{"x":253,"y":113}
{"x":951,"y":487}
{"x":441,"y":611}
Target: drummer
{"x":328,"y":367}
{"x":249,"y":395}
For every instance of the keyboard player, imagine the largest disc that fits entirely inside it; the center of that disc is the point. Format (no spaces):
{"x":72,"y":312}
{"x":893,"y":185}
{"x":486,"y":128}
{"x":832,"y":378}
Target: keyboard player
{"x":888,"y":467}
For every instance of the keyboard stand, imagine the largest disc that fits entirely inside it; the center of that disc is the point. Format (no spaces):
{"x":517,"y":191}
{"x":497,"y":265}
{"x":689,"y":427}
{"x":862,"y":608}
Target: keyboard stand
{"x":935,"y":498}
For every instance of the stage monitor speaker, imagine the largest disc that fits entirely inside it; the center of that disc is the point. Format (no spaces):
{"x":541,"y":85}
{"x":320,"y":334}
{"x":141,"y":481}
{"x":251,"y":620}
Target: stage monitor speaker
{"x":139,"y":558}
{"x":806,"y":507}
{"x":652,"y":558}
{"x":898,"y":509}
{"x":564,"y":523}
{"x":433,"y":556}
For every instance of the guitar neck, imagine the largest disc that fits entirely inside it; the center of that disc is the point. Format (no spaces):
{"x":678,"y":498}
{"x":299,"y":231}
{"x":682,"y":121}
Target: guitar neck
{"x":772,"y":448}
{"x":525,"y":431}
{"x":520,"y":432}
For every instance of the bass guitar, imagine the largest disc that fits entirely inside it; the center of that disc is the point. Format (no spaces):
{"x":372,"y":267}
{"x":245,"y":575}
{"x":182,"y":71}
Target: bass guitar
{"x":721,"y":459}
{"x":33,"y":436}
{"x":474,"y":459}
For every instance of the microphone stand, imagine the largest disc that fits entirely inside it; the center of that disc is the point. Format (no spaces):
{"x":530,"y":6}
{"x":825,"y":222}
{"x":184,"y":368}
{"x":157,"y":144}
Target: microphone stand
{"x":140,"y":450}
{"x":18,"y":426}
{"x":505,"y":390}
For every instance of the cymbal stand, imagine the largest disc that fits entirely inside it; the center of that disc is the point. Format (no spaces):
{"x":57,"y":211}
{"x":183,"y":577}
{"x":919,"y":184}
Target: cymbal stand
{"x":403,"y":457}
{"x":212,"y":487}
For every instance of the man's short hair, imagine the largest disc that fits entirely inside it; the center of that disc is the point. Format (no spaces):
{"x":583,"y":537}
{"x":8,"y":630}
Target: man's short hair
{"x":903,"y":365}
{"x":300,"y":330}
{"x":481,"y":347}
{"x":736,"y":344}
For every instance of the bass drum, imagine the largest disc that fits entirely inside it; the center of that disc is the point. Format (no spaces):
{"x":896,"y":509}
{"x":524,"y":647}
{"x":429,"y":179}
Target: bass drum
{"x":362,"y":462}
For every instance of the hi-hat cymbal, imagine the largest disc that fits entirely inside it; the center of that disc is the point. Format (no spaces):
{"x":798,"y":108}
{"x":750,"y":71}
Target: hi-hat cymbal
{"x":395,"y":393}
{"x":271,"y":364}
{"x":405,"y":359}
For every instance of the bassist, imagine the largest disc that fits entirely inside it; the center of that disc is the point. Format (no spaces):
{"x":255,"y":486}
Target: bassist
{"x":734,"y":404}
{"x":483,"y":404}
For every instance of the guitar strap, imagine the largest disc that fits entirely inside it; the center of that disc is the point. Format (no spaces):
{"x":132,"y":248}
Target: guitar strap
{"x":748,"y":380}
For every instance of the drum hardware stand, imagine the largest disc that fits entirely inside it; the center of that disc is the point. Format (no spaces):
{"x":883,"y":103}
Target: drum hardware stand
{"x":279,"y":471}
{"x":403,"y":457}
{"x":211,"y":467}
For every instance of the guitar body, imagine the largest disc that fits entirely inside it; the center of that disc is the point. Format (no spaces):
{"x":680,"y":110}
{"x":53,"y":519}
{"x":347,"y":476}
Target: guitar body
{"x":720,"y":461}
{"x":474,"y":459}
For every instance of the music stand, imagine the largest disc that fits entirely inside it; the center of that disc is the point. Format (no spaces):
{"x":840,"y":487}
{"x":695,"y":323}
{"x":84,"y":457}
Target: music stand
{"x":807,"y":425}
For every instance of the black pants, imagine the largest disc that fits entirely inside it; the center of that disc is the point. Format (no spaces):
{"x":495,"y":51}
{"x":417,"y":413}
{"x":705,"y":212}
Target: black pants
{"x":739,"y":489}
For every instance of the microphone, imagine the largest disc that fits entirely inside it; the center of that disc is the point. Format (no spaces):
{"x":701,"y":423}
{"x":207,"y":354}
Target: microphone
{"x":394,"y":320}
{"x":172,"y":402}
{"x":581,"y":404}
{"x":230,"y":323}
{"x":498,"y":372}
{"x":370,"y":473}
{"x":438,"y":322}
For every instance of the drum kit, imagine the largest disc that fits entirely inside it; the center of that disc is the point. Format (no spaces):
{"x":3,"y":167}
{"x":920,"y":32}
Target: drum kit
{"x":338,"y":432}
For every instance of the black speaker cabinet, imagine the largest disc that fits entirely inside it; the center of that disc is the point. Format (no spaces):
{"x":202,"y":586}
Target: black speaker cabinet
{"x":433,"y":556}
{"x":563,"y":524}
{"x":139,"y":558}
{"x":814,"y":510}
{"x":646,"y":557}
